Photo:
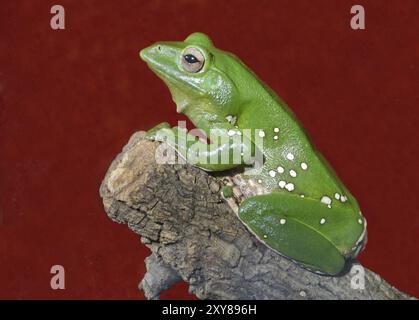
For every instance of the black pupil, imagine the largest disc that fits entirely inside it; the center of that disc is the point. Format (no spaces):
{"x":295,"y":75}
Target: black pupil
{"x":190,"y":58}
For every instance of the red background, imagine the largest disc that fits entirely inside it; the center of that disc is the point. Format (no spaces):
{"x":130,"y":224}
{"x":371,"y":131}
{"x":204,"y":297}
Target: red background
{"x":70,"y":99}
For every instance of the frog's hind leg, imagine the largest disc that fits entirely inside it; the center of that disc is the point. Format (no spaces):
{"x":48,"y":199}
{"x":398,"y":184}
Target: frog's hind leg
{"x":297,"y":228}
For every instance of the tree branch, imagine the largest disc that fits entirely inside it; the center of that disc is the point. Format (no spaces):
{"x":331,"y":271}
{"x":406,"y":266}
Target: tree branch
{"x":195,"y":235}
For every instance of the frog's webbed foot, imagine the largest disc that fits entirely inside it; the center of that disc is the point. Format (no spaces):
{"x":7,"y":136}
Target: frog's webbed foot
{"x":157,"y":132}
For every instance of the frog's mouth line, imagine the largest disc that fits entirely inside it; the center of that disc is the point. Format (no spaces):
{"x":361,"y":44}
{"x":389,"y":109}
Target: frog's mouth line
{"x":167,"y":76}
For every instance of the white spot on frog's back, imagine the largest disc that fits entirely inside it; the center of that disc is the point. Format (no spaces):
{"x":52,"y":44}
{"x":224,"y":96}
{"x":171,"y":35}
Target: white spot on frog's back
{"x":293,"y":173}
{"x":289,"y":186}
{"x":272,"y":173}
{"x":337,"y":196}
{"x":290,"y":156}
{"x":326,"y":200}
{"x":360,"y":221}
{"x":275,"y":137}
{"x":282,"y":221}
{"x":280,"y":169}
{"x":304,"y":166}
{"x":276,"y":130}
{"x":261,"y":133}
{"x":282,"y":184}
{"x":322,"y":221}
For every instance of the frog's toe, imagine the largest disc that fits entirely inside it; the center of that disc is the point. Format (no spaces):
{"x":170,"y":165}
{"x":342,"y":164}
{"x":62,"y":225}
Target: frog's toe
{"x":156,"y":133}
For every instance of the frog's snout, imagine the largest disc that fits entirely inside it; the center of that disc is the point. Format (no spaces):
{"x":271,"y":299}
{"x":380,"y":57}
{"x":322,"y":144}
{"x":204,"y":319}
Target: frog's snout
{"x":158,"y":57}
{"x":150,"y":53}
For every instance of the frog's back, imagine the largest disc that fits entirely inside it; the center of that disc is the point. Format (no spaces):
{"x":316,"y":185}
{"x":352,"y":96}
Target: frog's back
{"x":291,"y":162}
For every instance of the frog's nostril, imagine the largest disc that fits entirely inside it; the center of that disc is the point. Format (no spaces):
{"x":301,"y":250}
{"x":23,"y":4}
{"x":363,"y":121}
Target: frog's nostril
{"x":159,"y":48}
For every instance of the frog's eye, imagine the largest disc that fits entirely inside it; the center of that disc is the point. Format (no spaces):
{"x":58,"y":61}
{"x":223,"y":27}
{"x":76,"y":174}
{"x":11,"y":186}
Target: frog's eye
{"x":192,"y":60}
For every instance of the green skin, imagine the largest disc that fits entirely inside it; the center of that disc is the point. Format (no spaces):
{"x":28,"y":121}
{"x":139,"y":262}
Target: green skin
{"x":313,"y":219}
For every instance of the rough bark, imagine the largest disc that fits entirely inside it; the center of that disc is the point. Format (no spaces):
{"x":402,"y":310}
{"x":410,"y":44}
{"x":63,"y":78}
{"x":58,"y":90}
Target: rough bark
{"x":195,"y":235}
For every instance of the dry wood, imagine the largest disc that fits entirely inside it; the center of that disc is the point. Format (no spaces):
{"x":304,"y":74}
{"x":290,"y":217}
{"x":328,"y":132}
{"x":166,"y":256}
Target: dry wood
{"x":194,"y":235}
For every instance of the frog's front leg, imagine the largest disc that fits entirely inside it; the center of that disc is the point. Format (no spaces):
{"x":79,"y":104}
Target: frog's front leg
{"x":229,"y":151}
{"x":303,"y":229}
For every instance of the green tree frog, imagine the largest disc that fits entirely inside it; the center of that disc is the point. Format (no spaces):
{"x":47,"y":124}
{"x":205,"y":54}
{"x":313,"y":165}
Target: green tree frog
{"x":307,"y":214}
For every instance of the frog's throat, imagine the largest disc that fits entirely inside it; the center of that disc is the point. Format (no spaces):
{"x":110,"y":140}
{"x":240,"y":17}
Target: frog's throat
{"x":181,"y":99}
{"x":187,"y":100}
{"x":178,"y":90}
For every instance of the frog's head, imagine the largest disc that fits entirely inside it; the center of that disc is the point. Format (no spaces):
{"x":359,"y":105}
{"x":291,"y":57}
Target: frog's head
{"x":197,"y":74}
